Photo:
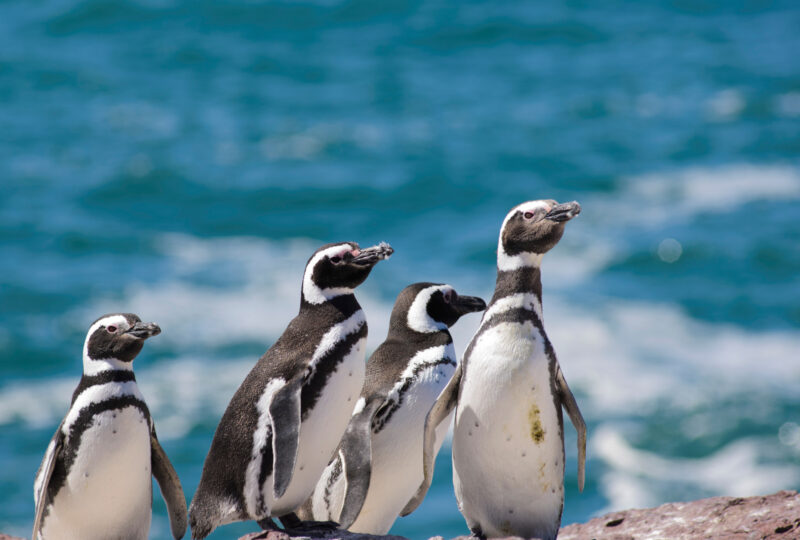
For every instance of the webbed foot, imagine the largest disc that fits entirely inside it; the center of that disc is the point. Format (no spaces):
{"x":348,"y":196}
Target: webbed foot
{"x":294,"y":525}
{"x":267,"y":524}
{"x":477,"y":533}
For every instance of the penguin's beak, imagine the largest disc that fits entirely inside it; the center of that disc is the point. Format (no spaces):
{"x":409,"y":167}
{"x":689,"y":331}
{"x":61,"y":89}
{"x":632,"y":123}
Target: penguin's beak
{"x":564,"y":211}
{"x":371,"y":255}
{"x":468,"y":304}
{"x":142,"y":330}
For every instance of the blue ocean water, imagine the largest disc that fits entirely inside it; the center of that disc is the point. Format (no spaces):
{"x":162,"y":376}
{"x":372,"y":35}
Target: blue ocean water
{"x":183,"y":159}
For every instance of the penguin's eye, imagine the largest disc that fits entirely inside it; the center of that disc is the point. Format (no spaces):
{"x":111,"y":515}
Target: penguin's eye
{"x":111,"y":329}
{"x":336,"y":259}
{"x":448,"y":296}
{"x":528,"y":215}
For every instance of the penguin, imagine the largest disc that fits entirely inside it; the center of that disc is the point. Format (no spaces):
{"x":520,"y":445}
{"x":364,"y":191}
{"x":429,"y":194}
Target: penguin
{"x":508,"y":392}
{"x":284,"y":422}
{"x":94,"y":481}
{"x":378,"y":466}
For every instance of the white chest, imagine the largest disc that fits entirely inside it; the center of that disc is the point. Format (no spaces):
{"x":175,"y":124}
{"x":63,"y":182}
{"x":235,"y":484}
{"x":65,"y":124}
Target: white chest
{"x":322,"y":429}
{"x":108,"y":490}
{"x":397,"y":451}
{"x":507,"y":445}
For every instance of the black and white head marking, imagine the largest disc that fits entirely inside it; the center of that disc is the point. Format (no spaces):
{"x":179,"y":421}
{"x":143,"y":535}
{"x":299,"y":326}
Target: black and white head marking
{"x":436,"y":307}
{"x":530,"y":230}
{"x":337,"y":269}
{"x":113,"y":341}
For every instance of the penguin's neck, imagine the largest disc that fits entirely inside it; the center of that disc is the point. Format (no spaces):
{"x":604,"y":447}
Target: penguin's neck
{"x":95,"y":366}
{"x":339,"y":307}
{"x":521,"y":287}
{"x":315,"y":295}
{"x":403,"y":333}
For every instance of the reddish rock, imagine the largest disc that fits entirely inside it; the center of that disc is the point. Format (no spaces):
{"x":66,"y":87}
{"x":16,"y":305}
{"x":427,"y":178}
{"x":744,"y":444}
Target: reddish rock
{"x":773,"y":517}
{"x":6,"y":537}
{"x":328,"y":535}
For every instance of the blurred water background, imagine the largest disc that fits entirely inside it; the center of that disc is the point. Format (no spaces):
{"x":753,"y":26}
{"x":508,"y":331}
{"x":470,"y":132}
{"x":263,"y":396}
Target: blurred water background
{"x":182,"y":160}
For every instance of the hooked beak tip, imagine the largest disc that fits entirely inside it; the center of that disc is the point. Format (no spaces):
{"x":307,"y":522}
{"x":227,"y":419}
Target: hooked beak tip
{"x":144,"y":330}
{"x":374,"y":254}
{"x":564,"y":212}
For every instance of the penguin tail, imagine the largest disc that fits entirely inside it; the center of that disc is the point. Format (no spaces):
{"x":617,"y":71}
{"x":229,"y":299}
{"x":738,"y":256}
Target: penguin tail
{"x":202,"y":518}
{"x":200,"y":527}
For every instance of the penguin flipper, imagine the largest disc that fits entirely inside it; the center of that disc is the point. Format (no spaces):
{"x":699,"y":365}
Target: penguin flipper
{"x":445,"y":403}
{"x":46,"y":472}
{"x":284,"y":413}
{"x":170,"y":486}
{"x":575,"y":416}
{"x":356,"y":453}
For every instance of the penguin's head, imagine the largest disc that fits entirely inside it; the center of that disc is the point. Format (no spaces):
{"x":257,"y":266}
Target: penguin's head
{"x":430,"y":307}
{"x":530,"y":230}
{"x":337,"y":269}
{"x":117,"y":337}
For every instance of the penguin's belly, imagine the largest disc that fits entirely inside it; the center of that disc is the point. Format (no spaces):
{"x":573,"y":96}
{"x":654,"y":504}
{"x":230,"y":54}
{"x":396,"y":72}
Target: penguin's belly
{"x":108,"y":491}
{"x":508,"y":450}
{"x":322,"y":429}
{"x":397,"y":453}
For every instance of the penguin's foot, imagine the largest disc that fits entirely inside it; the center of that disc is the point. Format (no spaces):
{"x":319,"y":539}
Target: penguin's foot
{"x":316,"y":528}
{"x":290,"y":521}
{"x":477,"y":533}
{"x":267,"y":524}
{"x":293,"y":525}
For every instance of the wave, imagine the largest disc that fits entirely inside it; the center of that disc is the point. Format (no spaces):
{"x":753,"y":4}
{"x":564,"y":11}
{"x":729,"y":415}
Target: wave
{"x":638,"y":478}
{"x":638,"y":356}
{"x":653,"y":199}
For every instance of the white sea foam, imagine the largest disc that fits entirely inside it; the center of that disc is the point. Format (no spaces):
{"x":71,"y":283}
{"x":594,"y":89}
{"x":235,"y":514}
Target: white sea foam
{"x":726,"y":104}
{"x":641,"y":357}
{"x":308,"y":143}
{"x":630,"y":361}
{"x":654,"y":199}
{"x":634,"y":477}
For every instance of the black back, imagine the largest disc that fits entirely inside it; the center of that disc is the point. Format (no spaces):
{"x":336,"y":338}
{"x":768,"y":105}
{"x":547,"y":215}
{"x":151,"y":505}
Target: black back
{"x":287,"y":359}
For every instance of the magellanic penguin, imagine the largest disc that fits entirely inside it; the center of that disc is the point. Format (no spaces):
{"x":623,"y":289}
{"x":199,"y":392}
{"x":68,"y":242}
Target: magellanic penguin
{"x":286,"y":419}
{"x":508,"y":439}
{"x":379,"y":467}
{"x":94,"y":482}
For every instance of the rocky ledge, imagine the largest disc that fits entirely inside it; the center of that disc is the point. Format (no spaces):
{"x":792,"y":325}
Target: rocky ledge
{"x":773,"y":517}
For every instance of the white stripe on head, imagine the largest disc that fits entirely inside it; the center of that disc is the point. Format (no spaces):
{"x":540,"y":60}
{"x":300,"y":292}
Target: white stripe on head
{"x":93,"y":366}
{"x":311,"y":291}
{"x":506,"y":262}
{"x":418,"y":318}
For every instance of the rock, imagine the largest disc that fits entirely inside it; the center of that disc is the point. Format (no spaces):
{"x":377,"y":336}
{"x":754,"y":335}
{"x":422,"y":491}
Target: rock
{"x":326,"y":535}
{"x":771,"y":517}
